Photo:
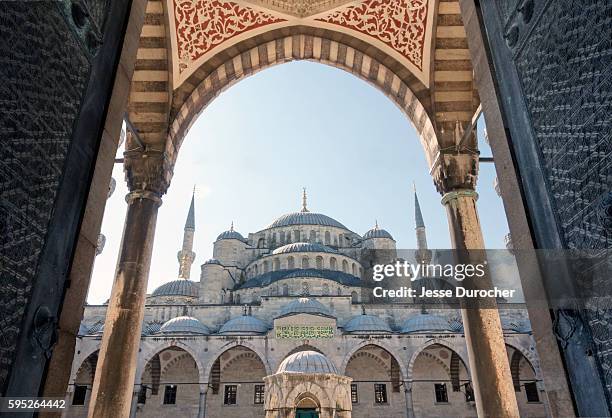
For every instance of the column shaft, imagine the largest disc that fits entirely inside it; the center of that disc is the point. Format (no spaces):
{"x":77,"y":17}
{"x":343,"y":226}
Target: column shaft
{"x":492,"y":381}
{"x":409,"y":404}
{"x":202,"y":405}
{"x":115,"y":373}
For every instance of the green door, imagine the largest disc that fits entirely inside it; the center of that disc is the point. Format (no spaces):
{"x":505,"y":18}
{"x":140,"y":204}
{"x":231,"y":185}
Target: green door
{"x":306,"y":413}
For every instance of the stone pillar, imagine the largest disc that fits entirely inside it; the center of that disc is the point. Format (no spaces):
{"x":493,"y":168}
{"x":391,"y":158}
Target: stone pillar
{"x":409,"y":403}
{"x":455,"y":175}
{"x":202,"y":404}
{"x":148,"y":176}
{"x":134,"y":405}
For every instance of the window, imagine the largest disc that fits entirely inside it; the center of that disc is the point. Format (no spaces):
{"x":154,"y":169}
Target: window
{"x":332,"y":263}
{"x":296,"y":234}
{"x":290,"y":262}
{"x":380,"y":393}
{"x":354,"y":396}
{"x":259,"y":394}
{"x":170,"y":395}
{"x":305,"y":263}
{"x":319,"y":262}
{"x":285,"y":290}
{"x":313,"y":236}
{"x":441,"y":394}
{"x":327,"y":238}
{"x":229,"y":398}
{"x":345,"y":266}
{"x":80,"y":391}
{"x":354,"y":297}
{"x":142,"y":395}
{"x":531,"y":390}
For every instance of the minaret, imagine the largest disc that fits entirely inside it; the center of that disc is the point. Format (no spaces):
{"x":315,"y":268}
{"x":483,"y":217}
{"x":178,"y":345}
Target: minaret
{"x":186,"y":256}
{"x":304,"y":208}
{"x":423,"y":254}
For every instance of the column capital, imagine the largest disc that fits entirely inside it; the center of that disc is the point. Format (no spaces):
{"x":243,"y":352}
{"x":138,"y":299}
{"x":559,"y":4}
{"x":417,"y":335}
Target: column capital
{"x":147,"y":173}
{"x":452,"y":170}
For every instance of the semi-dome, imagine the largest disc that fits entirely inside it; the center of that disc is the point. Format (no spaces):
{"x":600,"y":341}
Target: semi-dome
{"x":425,"y":322}
{"x":180,"y":287}
{"x":231,"y":234}
{"x":307,"y":362}
{"x":305,"y":218}
{"x":184,"y":325}
{"x":304,"y":247}
{"x":366,"y":323}
{"x":304,"y":305}
{"x":377,"y":232}
{"x":245,"y":324}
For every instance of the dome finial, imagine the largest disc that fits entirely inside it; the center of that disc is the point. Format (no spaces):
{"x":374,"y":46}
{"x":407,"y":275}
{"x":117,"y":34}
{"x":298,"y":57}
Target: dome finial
{"x":232,"y":226}
{"x":304,"y":208}
{"x":363,"y":312}
{"x":376,"y":224}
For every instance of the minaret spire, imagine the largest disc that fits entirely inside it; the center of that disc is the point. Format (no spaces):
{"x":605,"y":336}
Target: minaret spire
{"x":304,"y":197}
{"x":186,"y":256}
{"x":423,"y":254}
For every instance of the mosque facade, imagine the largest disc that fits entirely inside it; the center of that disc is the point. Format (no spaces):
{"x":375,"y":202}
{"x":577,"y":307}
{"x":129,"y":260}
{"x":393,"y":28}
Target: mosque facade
{"x":278,"y":325}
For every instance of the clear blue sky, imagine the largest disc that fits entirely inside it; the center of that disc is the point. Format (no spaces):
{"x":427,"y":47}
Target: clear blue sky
{"x":296,"y":125}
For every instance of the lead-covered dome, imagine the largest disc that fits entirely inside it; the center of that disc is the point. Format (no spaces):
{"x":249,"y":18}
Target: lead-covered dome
{"x":366,"y":323}
{"x":184,"y":325}
{"x":425,"y":322}
{"x":180,"y":287}
{"x":304,"y":247}
{"x":304,"y":305}
{"x":231,"y":234}
{"x":245,"y":324}
{"x":307,"y":362}
{"x":377,"y":232}
{"x":305,"y":218}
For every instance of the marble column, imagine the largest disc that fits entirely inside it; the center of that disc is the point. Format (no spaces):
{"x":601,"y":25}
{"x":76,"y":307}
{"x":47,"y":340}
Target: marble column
{"x":148,"y":178}
{"x":455,"y":173}
{"x":202,"y":404}
{"x":492,"y":381}
{"x":134,"y":405}
{"x":409,"y":403}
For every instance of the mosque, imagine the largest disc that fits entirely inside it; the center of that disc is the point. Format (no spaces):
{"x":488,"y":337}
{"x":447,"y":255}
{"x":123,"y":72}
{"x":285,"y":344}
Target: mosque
{"x":278,"y":326}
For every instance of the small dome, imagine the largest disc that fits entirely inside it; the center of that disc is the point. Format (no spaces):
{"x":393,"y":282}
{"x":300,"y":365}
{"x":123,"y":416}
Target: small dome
{"x":304,"y":247}
{"x":231,"y":234}
{"x":376,"y":232}
{"x":97,"y":328}
{"x":245,"y":324}
{"x":305,"y":218}
{"x":212,"y":261}
{"x":424,"y":322}
{"x":307,"y":362}
{"x":516,"y":325}
{"x":184,"y":325}
{"x":180,"y":287}
{"x":366,"y":323}
{"x":150,"y":328}
{"x":304,"y":305}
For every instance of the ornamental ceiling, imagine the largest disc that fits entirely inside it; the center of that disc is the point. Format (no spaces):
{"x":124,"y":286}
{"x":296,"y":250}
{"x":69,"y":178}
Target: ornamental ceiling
{"x":202,"y":28}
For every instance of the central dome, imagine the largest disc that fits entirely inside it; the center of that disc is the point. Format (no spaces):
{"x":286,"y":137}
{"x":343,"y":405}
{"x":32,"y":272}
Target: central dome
{"x":307,"y":362}
{"x":305,"y":218}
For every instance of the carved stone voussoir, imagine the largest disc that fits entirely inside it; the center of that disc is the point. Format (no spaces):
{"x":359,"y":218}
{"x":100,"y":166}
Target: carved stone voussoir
{"x":147,"y":171}
{"x":453,"y":171}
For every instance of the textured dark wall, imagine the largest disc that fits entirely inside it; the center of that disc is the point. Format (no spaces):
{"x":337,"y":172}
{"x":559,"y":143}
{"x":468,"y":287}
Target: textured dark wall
{"x":553,"y":62}
{"x":57,"y":64}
